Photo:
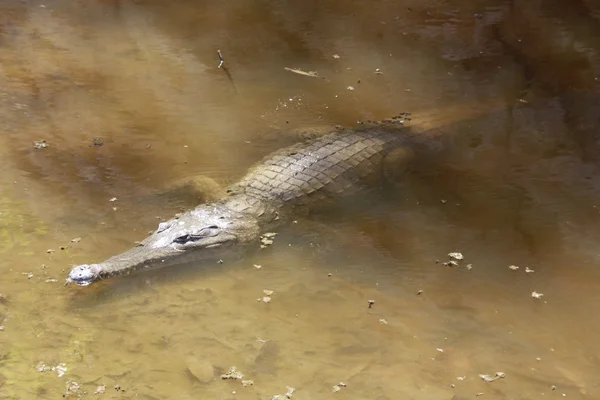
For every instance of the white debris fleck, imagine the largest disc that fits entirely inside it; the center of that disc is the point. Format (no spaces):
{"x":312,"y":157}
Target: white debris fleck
{"x":528,"y":270}
{"x":266,"y":299}
{"x":42,"y":367}
{"x":290,"y":392}
{"x":461,"y":378}
{"x":257,"y":266}
{"x":450,"y":263}
{"x":456,"y":256}
{"x":513,"y":267}
{"x":288,"y":395}
{"x":488,"y":378}
{"x":60,"y":369}
{"x":113,"y":199}
{"x":536,"y":295}
{"x":233,"y":373}
{"x":440,"y":350}
{"x":72,"y":387}
{"x":338,"y":387}
{"x":350,"y":88}
{"x":268,"y":292}
{"x":383,"y":321}
{"x":336,"y":56}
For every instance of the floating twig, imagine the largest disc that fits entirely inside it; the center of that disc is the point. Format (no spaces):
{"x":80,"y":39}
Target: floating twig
{"x":224,"y":68}
{"x":221,"y":60}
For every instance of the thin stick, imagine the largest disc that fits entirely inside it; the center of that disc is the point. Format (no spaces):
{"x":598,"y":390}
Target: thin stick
{"x":221,"y":60}
{"x":224,"y":68}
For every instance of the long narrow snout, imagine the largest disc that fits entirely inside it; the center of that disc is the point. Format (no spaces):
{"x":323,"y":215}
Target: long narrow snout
{"x":85,"y":274}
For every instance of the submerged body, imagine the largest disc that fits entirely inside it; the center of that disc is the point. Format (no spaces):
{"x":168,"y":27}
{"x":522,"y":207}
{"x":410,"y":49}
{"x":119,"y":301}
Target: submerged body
{"x":307,"y":173}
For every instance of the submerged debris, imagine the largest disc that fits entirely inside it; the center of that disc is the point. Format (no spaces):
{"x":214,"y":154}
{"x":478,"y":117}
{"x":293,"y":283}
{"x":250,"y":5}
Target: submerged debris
{"x":371,"y":302}
{"x":288,"y":395}
{"x":40,"y":144}
{"x":60,"y":369}
{"x":450,"y":263}
{"x":338,"y":387}
{"x":201,"y":369}
{"x":97,"y":142}
{"x":488,"y":378}
{"x":515,"y":268}
{"x":100,"y":389}
{"x":72,"y":388}
{"x":233,"y":373}
{"x":42,"y":367}
{"x":453,"y":262}
{"x":267,"y":298}
{"x":312,"y":74}
{"x":267,"y":239}
{"x":536,"y":295}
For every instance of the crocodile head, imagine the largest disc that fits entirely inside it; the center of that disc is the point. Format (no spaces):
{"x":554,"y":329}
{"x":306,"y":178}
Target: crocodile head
{"x":207,"y":232}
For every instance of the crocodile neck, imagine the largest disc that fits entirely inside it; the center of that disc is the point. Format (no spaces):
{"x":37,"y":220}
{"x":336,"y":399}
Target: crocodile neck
{"x":268,"y":213}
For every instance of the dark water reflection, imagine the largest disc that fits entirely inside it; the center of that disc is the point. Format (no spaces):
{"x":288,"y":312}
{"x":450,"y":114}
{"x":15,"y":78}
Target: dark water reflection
{"x":511,"y":91}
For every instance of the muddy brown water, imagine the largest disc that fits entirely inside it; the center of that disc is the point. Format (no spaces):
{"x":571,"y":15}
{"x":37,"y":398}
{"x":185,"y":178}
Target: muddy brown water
{"x":512,"y":90}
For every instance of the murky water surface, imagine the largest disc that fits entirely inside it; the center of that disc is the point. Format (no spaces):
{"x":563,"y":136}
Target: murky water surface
{"x":128,"y":97}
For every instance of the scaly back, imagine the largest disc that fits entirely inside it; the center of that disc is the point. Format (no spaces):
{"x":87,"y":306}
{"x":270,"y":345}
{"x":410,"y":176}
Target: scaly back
{"x":332,"y":164}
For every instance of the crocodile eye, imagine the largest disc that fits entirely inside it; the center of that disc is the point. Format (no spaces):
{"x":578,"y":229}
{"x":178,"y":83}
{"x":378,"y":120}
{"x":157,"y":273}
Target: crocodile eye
{"x":209,"y":231}
{"x":183,"y":239}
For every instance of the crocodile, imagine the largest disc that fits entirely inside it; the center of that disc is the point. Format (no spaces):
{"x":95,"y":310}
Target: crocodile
{"x":268,"y":196}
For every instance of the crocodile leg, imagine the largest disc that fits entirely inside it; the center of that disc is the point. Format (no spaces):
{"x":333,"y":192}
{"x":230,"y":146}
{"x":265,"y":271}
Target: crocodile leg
{"x":201,"y":187}
{"x":397,"y":164}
